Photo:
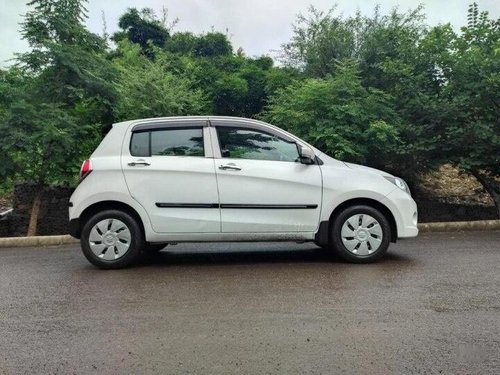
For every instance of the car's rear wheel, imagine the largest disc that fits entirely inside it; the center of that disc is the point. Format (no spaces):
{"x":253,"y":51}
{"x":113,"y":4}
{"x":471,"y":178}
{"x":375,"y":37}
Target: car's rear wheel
{"x":361,"y":234}
{"x":111,"y":239}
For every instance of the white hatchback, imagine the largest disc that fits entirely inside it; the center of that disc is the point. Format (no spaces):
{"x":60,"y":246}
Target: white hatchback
{"x":157,"y":181}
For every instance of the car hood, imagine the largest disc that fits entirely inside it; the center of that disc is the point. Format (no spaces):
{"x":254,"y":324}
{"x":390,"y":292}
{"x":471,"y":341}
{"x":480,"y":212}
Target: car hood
{"x":366,"y":169}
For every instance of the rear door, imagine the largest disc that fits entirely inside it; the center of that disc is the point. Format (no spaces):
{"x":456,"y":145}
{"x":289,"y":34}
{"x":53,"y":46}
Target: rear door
{"x":169,"y":171}
{"x":262,"y":185}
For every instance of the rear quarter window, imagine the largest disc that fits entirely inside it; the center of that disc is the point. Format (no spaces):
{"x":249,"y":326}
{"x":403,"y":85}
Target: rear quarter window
{"x":139,"y":144}
{"x":168,"y":142}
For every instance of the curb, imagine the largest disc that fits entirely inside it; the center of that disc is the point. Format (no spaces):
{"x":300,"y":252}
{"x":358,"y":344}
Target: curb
{"x":453,"y":226}
{"x":37,"y":241}
{"x":459,"y":226}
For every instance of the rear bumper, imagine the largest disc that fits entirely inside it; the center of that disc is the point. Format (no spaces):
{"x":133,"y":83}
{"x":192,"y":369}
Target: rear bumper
{"x":74,"y":228}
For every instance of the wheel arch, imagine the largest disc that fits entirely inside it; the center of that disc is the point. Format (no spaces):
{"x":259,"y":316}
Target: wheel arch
{"x":109,"y":205}
{"x":323,"y":234}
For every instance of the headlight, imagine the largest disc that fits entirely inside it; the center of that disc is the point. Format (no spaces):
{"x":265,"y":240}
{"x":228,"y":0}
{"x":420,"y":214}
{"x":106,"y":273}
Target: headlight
{"x":399,"y":182}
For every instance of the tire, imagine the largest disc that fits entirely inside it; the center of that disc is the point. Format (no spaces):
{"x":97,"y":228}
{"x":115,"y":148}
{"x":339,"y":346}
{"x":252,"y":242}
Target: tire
{"x":112,"y":239}
{"x":150,"y":248}
{"x":360,"y":234}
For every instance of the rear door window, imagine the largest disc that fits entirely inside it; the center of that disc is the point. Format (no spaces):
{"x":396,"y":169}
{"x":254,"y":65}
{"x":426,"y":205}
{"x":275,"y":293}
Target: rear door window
{"x":177,"y":142}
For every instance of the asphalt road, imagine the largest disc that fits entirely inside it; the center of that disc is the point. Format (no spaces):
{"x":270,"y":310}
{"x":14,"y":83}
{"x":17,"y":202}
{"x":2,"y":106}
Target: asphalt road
{"x":431,"y":306}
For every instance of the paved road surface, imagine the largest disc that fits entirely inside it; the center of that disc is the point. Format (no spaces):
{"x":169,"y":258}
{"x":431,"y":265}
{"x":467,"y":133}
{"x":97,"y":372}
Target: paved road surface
{"x":431,"y":306}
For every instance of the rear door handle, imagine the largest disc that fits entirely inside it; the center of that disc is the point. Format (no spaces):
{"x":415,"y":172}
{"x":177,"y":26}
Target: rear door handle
{"x":229,"y":166}
{"x":139,"y":162}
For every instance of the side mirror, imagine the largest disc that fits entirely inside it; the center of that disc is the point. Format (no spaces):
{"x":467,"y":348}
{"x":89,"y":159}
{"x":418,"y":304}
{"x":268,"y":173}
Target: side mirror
{"x":306,"y":155}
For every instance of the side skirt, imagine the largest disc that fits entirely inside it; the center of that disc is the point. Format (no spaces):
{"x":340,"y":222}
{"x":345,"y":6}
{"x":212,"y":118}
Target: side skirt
{"x":231,"y":237}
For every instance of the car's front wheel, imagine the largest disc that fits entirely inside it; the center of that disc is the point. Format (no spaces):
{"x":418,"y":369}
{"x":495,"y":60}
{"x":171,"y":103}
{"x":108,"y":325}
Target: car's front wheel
{"x":361,"y":234}
{"x":111,"y":239}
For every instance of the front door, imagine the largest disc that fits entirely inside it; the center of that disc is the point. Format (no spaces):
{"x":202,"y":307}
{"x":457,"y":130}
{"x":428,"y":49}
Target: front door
{"x":262,"y":185}
{"x":168,"y":174}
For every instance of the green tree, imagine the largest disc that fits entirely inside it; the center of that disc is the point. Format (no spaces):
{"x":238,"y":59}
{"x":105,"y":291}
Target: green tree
{"x":386,"y":49}
{"x":444,"y":85}
{"x":182,"y":43}
{"x":148,"y":89}
{"x":472,"y":132}
{"x":320,"y":40}
{"x":212,"y":44}
{"x":63,"y":100}
{"x":236,"y":85}
{"x":142,"y":27}
{"x":339,"y":116}
{"x":68,"y":63}
{"x":13,"y":84}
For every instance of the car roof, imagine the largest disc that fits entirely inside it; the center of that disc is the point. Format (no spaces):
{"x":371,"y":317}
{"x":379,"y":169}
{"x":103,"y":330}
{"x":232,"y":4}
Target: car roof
{"x":199,"y":117}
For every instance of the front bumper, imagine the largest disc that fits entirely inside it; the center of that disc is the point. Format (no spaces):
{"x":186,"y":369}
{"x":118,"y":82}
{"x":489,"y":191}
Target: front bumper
{"x":405,"y":212}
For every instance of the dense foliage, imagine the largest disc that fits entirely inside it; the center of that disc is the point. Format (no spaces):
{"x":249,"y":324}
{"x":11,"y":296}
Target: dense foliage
{"x":340,"y":116}
{"x":386,"y":90}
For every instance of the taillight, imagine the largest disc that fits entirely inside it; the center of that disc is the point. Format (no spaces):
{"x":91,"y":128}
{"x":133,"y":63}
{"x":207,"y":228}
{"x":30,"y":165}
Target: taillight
{"x":85,"y":169}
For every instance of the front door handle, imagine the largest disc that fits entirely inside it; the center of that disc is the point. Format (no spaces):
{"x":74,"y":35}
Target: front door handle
{"x":139,"y":162}
{"x":229,"y":166}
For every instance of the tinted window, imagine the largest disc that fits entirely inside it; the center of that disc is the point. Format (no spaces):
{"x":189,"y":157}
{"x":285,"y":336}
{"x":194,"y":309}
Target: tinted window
{"x":240,"y":143}
{"x":177,"y":142}
{"x":139,"y":145}
{"x":170,"y":142}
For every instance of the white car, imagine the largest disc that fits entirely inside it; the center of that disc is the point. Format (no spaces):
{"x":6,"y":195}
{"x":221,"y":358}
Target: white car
{"x":157,"y":181}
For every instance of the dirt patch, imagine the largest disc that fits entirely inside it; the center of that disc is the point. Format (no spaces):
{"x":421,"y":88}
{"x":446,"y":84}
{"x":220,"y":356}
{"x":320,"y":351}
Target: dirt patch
{"x":449,"y":184}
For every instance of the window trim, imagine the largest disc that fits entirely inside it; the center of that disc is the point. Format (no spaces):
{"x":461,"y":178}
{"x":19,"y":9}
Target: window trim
{"x":159,"y":128}
{"x":257,"y":129}
{"x":247,"y":124}
{"x":169,"y":124}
